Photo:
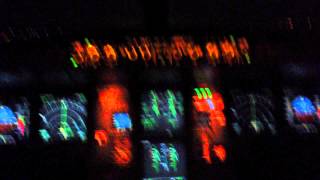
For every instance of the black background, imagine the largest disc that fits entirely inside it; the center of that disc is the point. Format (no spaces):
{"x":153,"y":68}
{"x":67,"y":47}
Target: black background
{"x":34,"y":64}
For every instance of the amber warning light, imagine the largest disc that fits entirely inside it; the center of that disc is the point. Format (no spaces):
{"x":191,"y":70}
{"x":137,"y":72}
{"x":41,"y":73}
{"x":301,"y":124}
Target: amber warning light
{"x":156,"y":51}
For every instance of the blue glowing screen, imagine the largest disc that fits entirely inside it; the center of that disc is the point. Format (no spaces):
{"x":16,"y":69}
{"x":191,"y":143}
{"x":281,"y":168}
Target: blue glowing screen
{"x":303,"y":105}
{"x":14,"y":121}
{"x":122,"y":121}
{"x":7,"y":116}
{"x":303,"y":110}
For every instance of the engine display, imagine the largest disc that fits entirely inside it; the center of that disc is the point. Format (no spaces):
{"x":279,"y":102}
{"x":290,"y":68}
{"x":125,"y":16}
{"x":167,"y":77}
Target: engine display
{"x":14,"y":121}
{"x":63,"y":118}
{"x":303,"y":112}
{"x":163,"y":161}
{"x":162,"y":111}
{"x":253,"y":113}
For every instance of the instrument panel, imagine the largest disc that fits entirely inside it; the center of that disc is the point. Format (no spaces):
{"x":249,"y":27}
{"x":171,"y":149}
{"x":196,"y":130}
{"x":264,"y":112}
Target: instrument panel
{"x":253,"y":114}
{"x":174,"y":126}
{"x":63,"y":119}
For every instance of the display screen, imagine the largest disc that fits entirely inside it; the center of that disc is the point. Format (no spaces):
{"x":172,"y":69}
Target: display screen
{"x":63,"y":118}
{"x":14,"y":120}
{"x":210,"y":124}
{"x":162,"y":111}
{"x":163,"y":161}
{"x":253,"y":113}
{"x":114,"y":125}
{"x":303,"y":111}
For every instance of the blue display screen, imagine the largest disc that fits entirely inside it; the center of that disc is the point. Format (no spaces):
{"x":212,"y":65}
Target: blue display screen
{"x":14,"y":121}
{"x":122,"y":121}
{"x":303,"y":105}
{"x":303,"y":111}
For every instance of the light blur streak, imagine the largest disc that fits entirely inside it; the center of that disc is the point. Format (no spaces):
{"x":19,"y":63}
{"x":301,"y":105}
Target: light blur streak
{"x":205,"y":147}
{"x":21,"y":124}
{"x":122,"y":150}
{"x":227,"y":50}
{"x":101,"y":137}
{"x":220,"y":152}
{"x":74,"y":63}
{"x":174,"y":158}
{"x":111,"y":55}
{"x":44,"y":135}
{"x":164,"y":157}
{"x":155,"y":157}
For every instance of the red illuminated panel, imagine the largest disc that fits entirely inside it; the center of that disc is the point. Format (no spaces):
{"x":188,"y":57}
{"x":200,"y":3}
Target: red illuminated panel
{"x":114,"y":124}
{"x":210,"y":123}
{"x":112,"y":99}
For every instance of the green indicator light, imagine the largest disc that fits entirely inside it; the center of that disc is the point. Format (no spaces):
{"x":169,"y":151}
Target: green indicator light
{"x":149,"y":123}
{"x":87,"y":41}
{"x":63,"y":132}
{"x":156,"y":159}
{"x":248,"y":58}
{"x":74,"y":63}
{"x":174,"y":158}
{"x":232,"y":39}
{"x":65,"y":129}
{"x":64,"y":111}
{"x":198,"y":93}
{"x":171,"y":102}
{"x":208,"y":92}
{"x":155,"y":106}
{"x":203,"y":92}
{"x":69,"y":131}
